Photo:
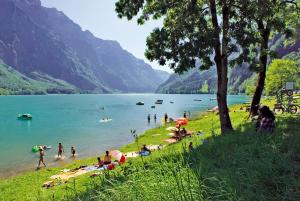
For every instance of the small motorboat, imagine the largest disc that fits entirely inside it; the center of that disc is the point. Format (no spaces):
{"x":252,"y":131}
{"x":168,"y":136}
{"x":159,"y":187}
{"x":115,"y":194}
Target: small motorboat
{"x":152,"y":106}
{"x":171,"y":102}
{"x":213,"y":99}
{"x":159,"y":101}
{"x":197,"y":100}
{"x":140,"y":103}
{"x":105,"y":120}
{"x":24,"y":116}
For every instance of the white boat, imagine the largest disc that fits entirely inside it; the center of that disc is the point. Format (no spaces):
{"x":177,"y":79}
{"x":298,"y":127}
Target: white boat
{"x":105,"y":120}
{"x":24,"y":116}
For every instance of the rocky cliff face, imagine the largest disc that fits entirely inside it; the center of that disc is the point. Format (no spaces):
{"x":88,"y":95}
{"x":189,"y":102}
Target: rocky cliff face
{"x":37,"y":40}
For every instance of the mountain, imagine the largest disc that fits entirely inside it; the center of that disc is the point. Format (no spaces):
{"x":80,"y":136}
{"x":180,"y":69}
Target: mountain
{"x":39,"y":43}
{"x":13,"y":81}
{"x":164,"y":75}
{"x":194,"y":80}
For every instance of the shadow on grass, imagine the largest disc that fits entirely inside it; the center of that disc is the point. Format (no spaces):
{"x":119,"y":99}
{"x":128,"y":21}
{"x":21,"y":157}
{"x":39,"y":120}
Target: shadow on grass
{"x":241,"y":165}
{"x":251,"y":165}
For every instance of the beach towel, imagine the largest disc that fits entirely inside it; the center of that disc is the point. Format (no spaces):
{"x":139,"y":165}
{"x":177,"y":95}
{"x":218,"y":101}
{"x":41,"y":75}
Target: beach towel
{"x":132,"y":154}
{"x":170,"y":140}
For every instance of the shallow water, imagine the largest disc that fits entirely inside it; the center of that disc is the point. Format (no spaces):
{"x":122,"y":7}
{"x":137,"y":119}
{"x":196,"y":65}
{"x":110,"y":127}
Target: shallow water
{"x":74,"y":120}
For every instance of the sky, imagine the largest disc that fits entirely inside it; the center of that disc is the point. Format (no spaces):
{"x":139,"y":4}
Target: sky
{"x":100,"y":18}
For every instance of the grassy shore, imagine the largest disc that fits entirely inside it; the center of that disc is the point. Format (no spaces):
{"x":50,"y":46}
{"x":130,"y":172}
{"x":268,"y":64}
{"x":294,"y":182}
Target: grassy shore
{"x":242,"y":165}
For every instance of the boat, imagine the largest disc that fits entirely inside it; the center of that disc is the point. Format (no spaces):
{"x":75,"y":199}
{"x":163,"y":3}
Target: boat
{"x":140,"y":103}
{"x":213,"y":99}
{"x":24,"y":116}
{"x":197,"y":100}
{"x":105,"y":120}
{"x":159,"y":101}
{"x":152,"y":106}
{"x":171,"y":102}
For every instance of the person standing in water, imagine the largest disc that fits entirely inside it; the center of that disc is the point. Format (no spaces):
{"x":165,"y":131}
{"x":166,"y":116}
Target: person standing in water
{"x":155,"y":118}
{"x":166,"y":118}
{"x":184,"y":114}
{"x":60,"y":150}
{"x":42,"y":154}
{"x":73,"y":151}
{"x":149,"y":118}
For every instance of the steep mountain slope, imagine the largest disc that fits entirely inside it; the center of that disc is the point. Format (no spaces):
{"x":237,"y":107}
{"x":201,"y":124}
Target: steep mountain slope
{"x":13,"y":82}
{"x":45,"y":41}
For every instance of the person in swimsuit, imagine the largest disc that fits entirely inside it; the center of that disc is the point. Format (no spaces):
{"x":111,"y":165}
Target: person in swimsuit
{"x":73,"y":151}
{"x":100,"y":163}
{"x":60,"y":150}
{"x":42,"y":154}
{"x":107,"y":158}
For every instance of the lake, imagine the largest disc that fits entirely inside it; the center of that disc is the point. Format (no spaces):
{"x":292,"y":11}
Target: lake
{"x":74,"y":120}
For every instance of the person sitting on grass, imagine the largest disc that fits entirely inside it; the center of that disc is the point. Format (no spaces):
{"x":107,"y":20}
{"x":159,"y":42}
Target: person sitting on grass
{"x":100,"y":162}
{"x":267,"y":120}
{"x":107,"y":158}
{"x":145,"y":148}
{"x":183,"y":132}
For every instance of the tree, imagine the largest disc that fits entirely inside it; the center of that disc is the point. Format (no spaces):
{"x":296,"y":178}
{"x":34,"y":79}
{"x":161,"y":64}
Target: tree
{"x":262,"y":19}
{"x":279,"y":72}
{"x":204,"y":88}
{"x":193,"y":30}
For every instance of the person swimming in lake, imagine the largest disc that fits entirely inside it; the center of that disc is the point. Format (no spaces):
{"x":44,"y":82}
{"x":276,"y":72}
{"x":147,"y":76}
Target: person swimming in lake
{"x":60,"y":150}
{"x":107,"y":158}
{"x":73,"y":151}
{"x":42,"y":154}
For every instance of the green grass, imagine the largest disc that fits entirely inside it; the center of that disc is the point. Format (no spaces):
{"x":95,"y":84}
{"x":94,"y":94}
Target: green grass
{"x":241,"y":165}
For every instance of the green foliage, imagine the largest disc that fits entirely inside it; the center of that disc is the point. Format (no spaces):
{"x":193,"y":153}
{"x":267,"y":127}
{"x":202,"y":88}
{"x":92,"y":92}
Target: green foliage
{"x":204,"y":88}
{"x":248,"y":86}
{"x":279,"y":72}
{"x":239,"y":166}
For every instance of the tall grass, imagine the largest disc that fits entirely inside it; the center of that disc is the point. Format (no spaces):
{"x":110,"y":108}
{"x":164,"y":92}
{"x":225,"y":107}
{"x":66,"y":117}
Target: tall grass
{"x":242,"y":165}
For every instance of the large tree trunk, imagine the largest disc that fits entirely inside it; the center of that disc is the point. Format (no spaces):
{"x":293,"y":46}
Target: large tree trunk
{"x":221,"y":60}
{"x":263,"y":59}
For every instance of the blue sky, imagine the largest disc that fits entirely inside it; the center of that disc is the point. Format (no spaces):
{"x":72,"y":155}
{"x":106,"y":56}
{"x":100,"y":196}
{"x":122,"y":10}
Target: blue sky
{"x":100,"y":18}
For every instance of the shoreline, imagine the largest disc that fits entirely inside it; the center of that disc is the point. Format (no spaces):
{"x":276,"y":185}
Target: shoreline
{"x":61,"y":164}
{"x":55,"y":164}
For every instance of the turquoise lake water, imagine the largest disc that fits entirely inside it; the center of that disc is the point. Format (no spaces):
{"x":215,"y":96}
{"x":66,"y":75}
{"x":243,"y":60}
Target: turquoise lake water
{"x":74,"y":120}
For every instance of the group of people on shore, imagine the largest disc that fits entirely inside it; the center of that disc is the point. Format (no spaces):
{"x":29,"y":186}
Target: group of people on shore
{"x":106,"y":160}
{"x":166,"y":118}
{"x":59,"y":154}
